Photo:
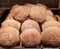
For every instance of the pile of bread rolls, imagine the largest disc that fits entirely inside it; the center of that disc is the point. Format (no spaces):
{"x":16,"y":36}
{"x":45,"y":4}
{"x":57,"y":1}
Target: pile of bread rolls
{"x":24,"y":23}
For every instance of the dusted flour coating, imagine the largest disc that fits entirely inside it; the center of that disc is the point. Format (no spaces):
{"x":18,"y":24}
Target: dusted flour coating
{"x":30,"y":37}
{"x":9,"y":36}
{"x":50,"y":24}
{"x":21,"y":13}
{"x":11,"y":23}
{"x":51,"y":37}
{"x":38,"y":13}
{"x":30,"y":24}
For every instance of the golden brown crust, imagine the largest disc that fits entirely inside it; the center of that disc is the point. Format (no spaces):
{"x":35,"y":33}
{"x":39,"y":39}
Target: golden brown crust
{"x":38,"y":13}
{"x":51,"y":37}
{"x":30,"y":24}
{"x":9,"y":36}
{"x":50,"y":24}
{"x":22,"y":13}
{"x":30,"y":37}
{"x":11,"y":23}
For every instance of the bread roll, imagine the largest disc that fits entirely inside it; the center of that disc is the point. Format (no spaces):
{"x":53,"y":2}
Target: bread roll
{"x":30,"y":38}
{"x":9,"y":36}
{"x":38,"y":13}
{"x":51,"y":37}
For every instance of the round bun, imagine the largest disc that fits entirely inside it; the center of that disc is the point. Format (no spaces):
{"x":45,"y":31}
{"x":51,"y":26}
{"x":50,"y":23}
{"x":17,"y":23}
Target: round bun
{"x":30,"y":38}
{"x":51,"y":37}
{"x":50,"y":24}
{"x":30,"y":24}
{"x":9,"y":36}
{"x":11,"y":23}
{"x":38,"y":13}
{"x":21,"y":13}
